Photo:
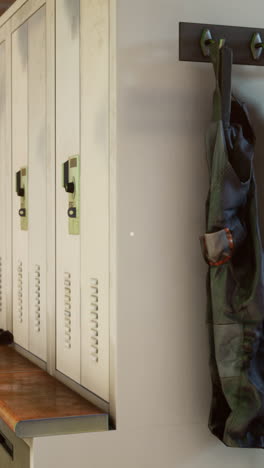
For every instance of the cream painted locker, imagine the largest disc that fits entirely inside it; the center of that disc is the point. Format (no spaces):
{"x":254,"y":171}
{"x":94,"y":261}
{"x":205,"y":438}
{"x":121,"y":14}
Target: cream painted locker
{"x":19,"y":164}
{"x":3,"y":186}
{"x":67,"y":146}
{"x":82,"y":116}
{"x":37,"y":157}
{"x":29,"y":183}
{"x":95,"y":196}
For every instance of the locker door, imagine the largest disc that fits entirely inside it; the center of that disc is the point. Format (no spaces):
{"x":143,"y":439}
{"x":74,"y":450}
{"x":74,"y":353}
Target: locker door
{"x":20,"y":160}
{"x":95,"y":198}
{"x":37,"y":182}
{"x":29,"y":186}
{"x":3,"y":186}
{"x":67,"y":145}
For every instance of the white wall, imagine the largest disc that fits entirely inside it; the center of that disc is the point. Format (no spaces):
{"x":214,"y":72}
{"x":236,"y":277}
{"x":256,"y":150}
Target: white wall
{"x":163,"y":384}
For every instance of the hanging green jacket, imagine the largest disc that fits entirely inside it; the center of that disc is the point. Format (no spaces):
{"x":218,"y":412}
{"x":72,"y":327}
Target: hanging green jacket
{"x":235,"y":282}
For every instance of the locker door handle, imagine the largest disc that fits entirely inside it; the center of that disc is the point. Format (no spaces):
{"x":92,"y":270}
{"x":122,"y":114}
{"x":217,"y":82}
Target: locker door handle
{"x":6,"y":444}
{"x":69,"y":186}
{"x":22,"y":192}
{"x":19,"y":190}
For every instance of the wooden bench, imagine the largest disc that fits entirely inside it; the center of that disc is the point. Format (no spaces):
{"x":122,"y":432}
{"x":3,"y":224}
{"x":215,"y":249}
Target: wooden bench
{"x":33,"y":403}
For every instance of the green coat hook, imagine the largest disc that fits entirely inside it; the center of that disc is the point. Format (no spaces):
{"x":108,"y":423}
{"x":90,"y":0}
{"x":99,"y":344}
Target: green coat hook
{"x":256,"y":46}
{"x":207,"y":40}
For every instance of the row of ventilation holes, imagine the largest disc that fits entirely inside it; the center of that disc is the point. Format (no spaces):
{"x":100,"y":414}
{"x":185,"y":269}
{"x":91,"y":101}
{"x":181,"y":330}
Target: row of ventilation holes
{"x":94,"y":315}
{"x":37,"y":298}
{"x":67,"y":310}
{"x":20,"y":291}
{"x":67,"y":307}
{"x":94,"y":319}
{"x":37,"y":294}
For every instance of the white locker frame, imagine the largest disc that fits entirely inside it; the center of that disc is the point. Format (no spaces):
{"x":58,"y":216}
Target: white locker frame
{"x":16,"y":16}
{"x":5,"y":165}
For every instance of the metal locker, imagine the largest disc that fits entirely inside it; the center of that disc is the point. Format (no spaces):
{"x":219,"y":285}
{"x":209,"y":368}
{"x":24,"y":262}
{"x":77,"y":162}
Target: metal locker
{"x":29,"y":190}
{"x":82,"y":154}
{"x":38,"y":217}
{"x":3,"y":186}
{"x":67,"y":170}
{"x":95,"y":235}
{"x":19,"y":164}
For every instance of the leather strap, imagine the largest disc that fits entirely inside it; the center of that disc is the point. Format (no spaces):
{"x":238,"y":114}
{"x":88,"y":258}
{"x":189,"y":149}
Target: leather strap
{"x":225,"y":81}
{"x":222,"y":60}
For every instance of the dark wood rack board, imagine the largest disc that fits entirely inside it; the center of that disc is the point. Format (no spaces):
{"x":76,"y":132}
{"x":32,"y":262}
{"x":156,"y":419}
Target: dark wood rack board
{"x":238,"y":38}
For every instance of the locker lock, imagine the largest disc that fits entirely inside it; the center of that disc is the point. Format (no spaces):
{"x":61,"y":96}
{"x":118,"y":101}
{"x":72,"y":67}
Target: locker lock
{"x":72,"y":212}
{"x":22,"y":212}
{"x":71,"y":185}
{"x":22,"y":192}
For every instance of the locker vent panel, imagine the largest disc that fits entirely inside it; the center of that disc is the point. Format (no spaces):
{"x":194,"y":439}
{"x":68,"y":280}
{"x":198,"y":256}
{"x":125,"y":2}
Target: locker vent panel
{"x":67,"y":310}
{"x":20,"y":291}
{"x":37,"y":298}
{"x":1,"y":290}
{"x":94,"y":319}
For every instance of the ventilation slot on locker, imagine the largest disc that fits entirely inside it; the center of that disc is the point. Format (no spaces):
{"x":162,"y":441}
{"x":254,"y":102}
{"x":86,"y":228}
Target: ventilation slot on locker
{"x":37,"y":298}
{"x":94,"y":320}
{"x":67,"y":310}
{"x":20,"y":291}
{"x":0,"y":284}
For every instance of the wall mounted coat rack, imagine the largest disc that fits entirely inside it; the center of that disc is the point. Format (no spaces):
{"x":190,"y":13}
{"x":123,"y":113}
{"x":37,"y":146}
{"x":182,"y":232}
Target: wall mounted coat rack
{"x":195,"y":39}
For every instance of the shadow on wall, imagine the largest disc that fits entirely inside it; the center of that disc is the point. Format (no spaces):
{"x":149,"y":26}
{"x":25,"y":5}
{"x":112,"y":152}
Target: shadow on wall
{"x":164,"y":98}
{"x":163,"y":134}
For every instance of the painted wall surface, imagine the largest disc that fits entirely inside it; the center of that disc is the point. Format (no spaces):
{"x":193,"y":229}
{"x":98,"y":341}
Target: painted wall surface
{"x":164,"y":106}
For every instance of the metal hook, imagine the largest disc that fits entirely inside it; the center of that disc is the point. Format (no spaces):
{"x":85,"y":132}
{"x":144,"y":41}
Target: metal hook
{"x":256,"y":46}
{"x":207,"y":40}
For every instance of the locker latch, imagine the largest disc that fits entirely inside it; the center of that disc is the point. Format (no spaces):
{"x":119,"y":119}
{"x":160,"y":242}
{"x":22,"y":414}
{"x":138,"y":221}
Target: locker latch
{"x":71,"y":184}
{"x":22,"y":192}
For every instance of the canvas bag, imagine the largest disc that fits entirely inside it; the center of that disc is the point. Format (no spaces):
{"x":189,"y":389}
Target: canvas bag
{"x":235,"y":286}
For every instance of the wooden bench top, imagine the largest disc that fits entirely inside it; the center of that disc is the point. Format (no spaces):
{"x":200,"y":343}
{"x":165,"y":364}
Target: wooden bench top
{"x":33,"y":403}
{"x":12,"y":361}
